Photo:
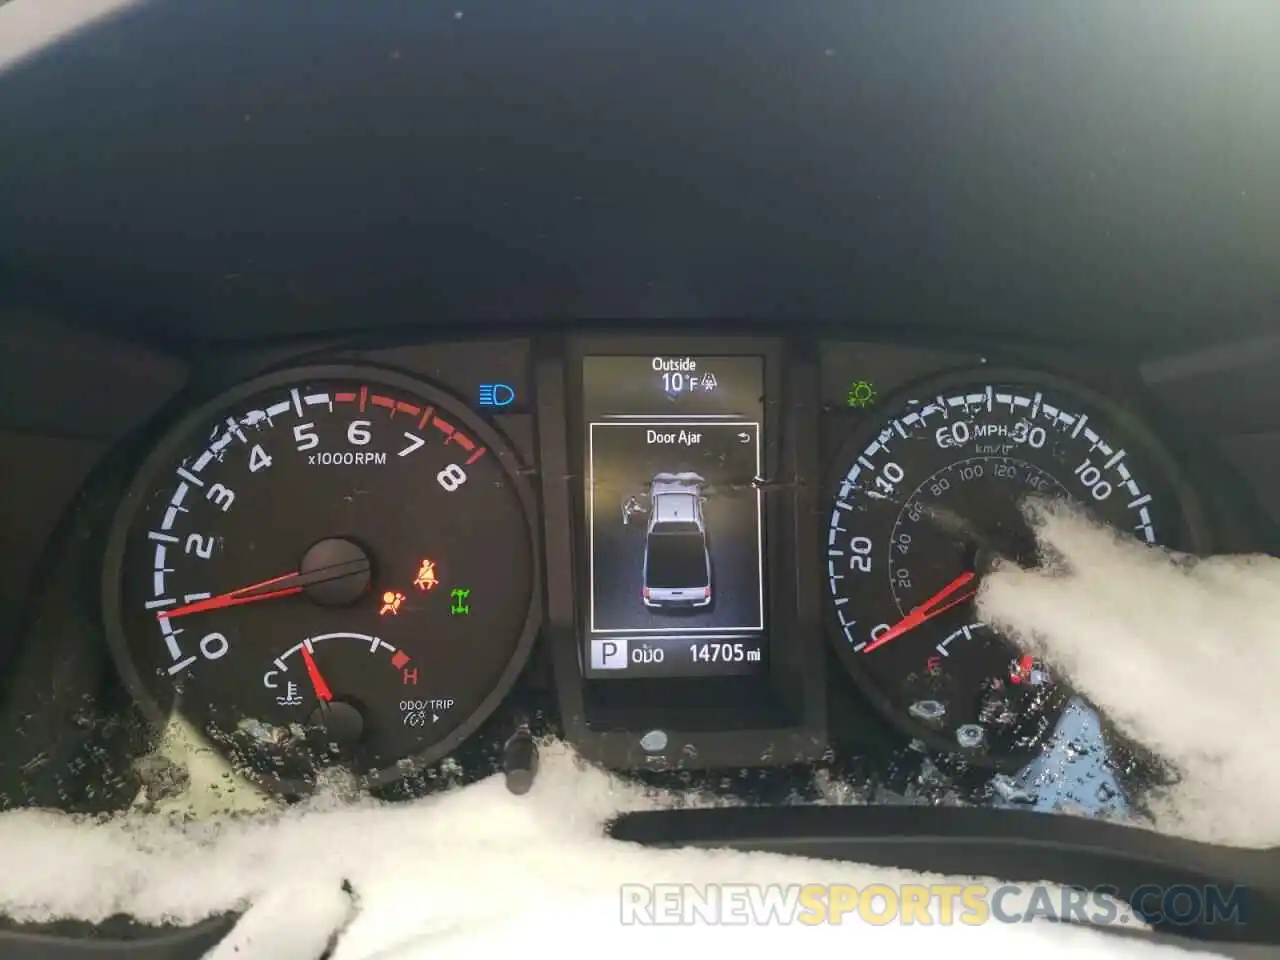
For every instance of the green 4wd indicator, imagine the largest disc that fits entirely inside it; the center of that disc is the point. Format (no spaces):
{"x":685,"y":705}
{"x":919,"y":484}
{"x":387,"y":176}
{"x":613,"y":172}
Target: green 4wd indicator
{"x":459,"y":606}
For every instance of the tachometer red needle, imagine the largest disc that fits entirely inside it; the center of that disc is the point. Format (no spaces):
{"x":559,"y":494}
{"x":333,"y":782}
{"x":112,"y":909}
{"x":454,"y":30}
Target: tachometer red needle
{"x":926,"y":611}
{"x":265,"y":590}
{"x":283,"y":586}
{"x":323,"y":693}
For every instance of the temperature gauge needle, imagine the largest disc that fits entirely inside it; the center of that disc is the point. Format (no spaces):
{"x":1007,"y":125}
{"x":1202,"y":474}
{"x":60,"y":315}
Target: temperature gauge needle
{"x":283,"y":586}
{"x":341,"y":725}
{"x":323,"y":693}
{"x":940,"y":602}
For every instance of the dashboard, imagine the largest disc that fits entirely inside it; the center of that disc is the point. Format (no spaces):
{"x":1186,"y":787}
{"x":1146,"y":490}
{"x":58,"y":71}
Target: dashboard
{"x":686,"y":553}
{"x":386,"y":389}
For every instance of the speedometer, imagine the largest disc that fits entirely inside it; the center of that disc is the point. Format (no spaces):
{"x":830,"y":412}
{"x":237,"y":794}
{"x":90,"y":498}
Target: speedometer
{"x":330,"y":566}
{"x":928,"y":498}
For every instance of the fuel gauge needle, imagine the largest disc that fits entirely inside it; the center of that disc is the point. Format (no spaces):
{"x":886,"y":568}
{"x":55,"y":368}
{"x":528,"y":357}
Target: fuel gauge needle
{"x":940,"y":602}
{"x":323,"y":693}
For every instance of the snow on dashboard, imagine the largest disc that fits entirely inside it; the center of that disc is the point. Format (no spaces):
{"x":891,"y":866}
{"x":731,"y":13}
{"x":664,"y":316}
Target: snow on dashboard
{"x":462,"y":874}
{"x":1178,"y":653}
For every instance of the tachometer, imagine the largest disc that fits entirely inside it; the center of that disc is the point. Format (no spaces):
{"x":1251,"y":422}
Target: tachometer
{"x":928,"y":499}
{"x":331,"y":565}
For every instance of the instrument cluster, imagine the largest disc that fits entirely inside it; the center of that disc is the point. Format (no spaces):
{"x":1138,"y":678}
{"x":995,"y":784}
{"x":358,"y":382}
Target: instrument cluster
{"x":708,"y":552}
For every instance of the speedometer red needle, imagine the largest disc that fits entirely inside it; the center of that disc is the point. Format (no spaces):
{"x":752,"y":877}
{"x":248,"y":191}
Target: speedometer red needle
{"x":941,"y":601}
{"x":323,"y":693}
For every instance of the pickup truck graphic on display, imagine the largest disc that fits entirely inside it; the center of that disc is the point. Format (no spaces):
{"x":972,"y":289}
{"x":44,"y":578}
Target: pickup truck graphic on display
{"x":677,"y":559}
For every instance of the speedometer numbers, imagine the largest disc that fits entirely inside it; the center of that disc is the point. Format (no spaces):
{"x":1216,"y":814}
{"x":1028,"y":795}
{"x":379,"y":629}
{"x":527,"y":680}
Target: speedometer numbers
{"x":927,"y":501}
{"x":325,"y":566}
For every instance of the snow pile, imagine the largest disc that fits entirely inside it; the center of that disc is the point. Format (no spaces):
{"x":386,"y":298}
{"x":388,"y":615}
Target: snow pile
{"x":465,"y":873}
{"x":1179,"y":653}
{"x":28,"y":27}
{"x":162,"y":869}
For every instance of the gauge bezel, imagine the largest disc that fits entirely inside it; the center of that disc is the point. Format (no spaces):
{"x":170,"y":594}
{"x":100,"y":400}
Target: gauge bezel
{"x":177,"y":438}
{"x":847,"y":441}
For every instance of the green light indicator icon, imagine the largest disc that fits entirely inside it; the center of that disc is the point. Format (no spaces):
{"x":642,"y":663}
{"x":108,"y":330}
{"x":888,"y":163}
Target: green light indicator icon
{"x":459,"y":607}
{"x":861,"y":394}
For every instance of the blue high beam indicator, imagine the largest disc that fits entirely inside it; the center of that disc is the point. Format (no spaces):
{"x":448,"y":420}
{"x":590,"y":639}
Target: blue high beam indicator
{"x":496,"y":395}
